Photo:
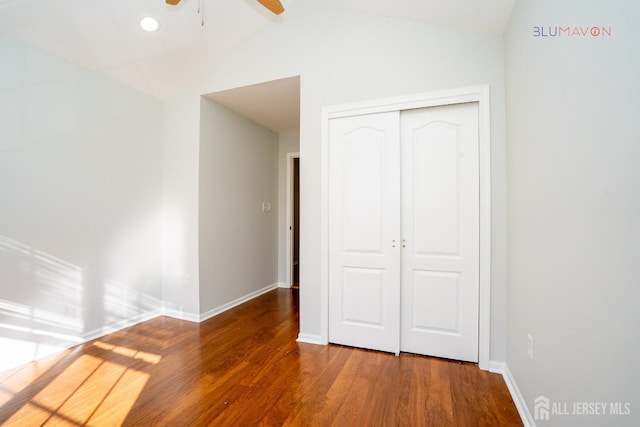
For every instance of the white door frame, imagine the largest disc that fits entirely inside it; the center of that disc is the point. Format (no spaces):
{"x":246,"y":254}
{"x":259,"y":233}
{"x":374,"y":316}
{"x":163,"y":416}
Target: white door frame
{"x":289,"y":219}
{"x":479,"y":94}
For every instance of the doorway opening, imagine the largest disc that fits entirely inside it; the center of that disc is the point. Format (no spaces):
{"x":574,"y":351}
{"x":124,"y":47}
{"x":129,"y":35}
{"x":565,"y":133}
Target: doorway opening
{"x":275,"y":105}
{"x":293,"y":220}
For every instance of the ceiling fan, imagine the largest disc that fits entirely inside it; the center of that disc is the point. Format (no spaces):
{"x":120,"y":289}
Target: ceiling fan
{"x":273,"y":5}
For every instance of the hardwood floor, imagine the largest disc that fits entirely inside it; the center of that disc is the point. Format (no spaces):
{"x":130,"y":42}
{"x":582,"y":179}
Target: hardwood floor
{"x":244,"y":368}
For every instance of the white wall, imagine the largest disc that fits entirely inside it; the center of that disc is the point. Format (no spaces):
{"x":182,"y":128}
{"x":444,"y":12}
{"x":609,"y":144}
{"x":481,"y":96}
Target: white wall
{"x":80,"y":203}
{"x":289,"y":142}
{"x":238,"y":245}
{"x":343,"y":57}
{"x":574,"y":203}
{"x":180,"y":209}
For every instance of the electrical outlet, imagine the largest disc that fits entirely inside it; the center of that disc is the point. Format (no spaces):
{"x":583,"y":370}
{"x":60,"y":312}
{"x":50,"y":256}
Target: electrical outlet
{"x":530,"y":346}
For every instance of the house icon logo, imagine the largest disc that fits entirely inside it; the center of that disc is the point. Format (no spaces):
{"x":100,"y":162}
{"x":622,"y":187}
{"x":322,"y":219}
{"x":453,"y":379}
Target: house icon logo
{"x":541,"y":408}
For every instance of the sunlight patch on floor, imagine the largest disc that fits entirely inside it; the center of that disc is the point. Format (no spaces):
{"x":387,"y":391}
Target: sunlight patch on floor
{"x":150,"y":358}
{"x":17,"y":379}
{"x":90,"y":390}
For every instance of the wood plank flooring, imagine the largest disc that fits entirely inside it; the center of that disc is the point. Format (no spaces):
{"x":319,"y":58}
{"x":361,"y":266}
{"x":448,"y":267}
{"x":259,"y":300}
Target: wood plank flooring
{"x":244,"y":368}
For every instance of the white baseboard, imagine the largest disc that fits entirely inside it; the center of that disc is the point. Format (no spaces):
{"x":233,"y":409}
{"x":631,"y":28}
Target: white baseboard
{"x":309,"y":338}
{"x":519,"y":401}
{"x":181,"y":315}
{"x":215,"y":311}
{"x":283,"y":285}
{"x":496,"y":367}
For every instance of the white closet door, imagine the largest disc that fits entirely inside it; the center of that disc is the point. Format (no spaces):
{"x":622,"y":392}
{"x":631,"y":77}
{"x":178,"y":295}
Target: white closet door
{"x":440,"y":231}
{"x":364,"y":231}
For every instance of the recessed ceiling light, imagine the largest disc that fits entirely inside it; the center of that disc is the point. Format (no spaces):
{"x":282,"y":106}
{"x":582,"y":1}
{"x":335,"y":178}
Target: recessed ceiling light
{"x":149,"y":24}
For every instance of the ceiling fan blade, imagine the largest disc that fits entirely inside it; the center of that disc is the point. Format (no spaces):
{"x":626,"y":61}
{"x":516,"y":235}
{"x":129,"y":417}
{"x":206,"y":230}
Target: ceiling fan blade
{"x":172,"y":2}
{"x":273,"y":5}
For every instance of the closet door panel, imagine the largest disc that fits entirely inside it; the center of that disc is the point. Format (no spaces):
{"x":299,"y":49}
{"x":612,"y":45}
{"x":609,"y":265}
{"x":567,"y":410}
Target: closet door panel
{"x":364,"y":231}
{"x":440,"y":231}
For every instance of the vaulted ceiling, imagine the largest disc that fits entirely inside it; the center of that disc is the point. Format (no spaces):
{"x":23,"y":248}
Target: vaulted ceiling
{"x":104,"y":35}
